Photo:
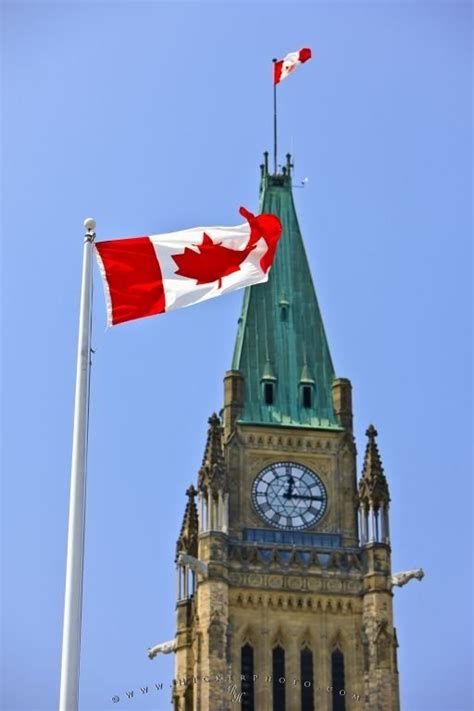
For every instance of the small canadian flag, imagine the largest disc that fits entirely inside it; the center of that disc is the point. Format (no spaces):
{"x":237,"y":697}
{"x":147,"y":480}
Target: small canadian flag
{"x":284,"y":67}
{"x":144,"y":276}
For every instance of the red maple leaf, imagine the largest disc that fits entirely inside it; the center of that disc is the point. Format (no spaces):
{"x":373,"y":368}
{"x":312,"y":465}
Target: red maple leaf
{"x":212,"y":262}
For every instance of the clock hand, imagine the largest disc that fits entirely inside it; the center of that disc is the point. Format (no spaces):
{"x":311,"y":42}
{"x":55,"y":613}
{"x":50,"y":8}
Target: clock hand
{"x":289,"y":492}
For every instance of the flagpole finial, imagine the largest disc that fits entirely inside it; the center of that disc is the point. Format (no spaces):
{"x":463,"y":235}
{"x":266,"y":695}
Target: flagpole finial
{"x":89,"y":224}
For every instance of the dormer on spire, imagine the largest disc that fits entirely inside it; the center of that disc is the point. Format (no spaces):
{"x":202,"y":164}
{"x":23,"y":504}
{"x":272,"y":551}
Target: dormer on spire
{"x":306,"y":376}
{"x":374,"y":497}
{"x":307,"y":384}
{"x":268,"y":372}
{"x":212,"y":481}
{"x":268,"y":383}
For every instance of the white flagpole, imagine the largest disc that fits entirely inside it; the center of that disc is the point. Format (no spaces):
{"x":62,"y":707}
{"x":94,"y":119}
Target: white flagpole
{"x":69,"y":693}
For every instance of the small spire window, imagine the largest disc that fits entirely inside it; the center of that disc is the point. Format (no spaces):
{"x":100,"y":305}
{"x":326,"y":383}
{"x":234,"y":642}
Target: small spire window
{"x":306,"y":385}
{"x":268,"y":393}
{"x":306,"y":394}
{"x":284,"y":305}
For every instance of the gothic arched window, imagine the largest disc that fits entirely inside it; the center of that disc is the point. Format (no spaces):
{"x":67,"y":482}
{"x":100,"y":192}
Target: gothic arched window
{"x":338,"y":681}
{"x":307,"y":679}
{"x":247,"y":671}
{"x":279,"y":680}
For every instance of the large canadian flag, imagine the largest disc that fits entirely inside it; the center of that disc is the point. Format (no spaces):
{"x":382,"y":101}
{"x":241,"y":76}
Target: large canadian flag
{"x":144,"y":276}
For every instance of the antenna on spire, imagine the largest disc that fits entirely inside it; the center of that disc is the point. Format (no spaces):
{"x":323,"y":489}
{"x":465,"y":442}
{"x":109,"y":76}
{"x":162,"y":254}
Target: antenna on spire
{"x":303,"y":183}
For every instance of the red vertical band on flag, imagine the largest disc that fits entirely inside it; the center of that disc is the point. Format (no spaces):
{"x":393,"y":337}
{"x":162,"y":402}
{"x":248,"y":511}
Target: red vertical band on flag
{"x":304,"y":54}
{"x":133,"y":277}
{"x":277,"y":67}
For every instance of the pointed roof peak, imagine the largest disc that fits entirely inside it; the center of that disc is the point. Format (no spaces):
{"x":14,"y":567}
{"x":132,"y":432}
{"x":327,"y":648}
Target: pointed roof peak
{"x":191,"y":493}
{"x":213,"y":471}
{"x":372,"y":462}
{"x":188,"y":537}
{"x":373,"y":486}
{"x":281,"y":326}
{"x":213,"y":448}
{"x":214,"y":420}
{"x":371,"y":433}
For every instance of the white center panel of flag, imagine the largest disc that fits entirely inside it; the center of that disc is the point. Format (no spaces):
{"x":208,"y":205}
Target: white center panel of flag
{"x":181,"y":291}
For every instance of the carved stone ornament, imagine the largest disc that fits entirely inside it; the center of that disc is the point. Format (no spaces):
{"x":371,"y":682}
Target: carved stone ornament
{"x":402,"y":579}
{"x":163,"y":647}
{"x":216,"y":636}
{"x":197,"y":565}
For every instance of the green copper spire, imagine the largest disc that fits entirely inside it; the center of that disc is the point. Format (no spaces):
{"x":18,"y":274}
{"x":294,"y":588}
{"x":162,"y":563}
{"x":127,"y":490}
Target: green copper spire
{"x":281,"y":348}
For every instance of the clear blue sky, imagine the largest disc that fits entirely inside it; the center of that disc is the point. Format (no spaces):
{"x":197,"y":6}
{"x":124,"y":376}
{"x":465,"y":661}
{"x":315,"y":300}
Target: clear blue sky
{"x":151,"y":117}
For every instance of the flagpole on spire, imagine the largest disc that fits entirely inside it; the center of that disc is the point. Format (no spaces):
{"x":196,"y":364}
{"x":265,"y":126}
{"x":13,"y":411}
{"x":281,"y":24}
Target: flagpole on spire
{"x":274,"y":117}
{"x":70,"y":661}
{"x":281,"y":69}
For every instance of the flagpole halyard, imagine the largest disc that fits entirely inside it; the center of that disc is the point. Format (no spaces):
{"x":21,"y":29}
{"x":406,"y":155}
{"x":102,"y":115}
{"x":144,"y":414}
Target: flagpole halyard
{"x":274,"y":118}
{"x":71,"y":647}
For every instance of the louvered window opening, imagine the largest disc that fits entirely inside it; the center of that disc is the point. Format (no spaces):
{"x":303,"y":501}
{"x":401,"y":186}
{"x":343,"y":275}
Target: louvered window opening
{"x":338,"y":681}
{"x":307,"y":680}
{"x":247,"y":672}
{"x":279,"y":701}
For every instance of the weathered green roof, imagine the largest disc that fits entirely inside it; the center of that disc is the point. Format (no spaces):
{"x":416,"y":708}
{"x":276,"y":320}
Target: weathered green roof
{"x":281,"y":336}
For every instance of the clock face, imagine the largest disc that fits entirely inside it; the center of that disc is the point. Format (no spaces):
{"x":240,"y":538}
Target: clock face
{"x":289,"y":495}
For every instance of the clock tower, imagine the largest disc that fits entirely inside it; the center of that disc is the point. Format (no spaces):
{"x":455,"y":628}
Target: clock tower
{"x":283,"y":560}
